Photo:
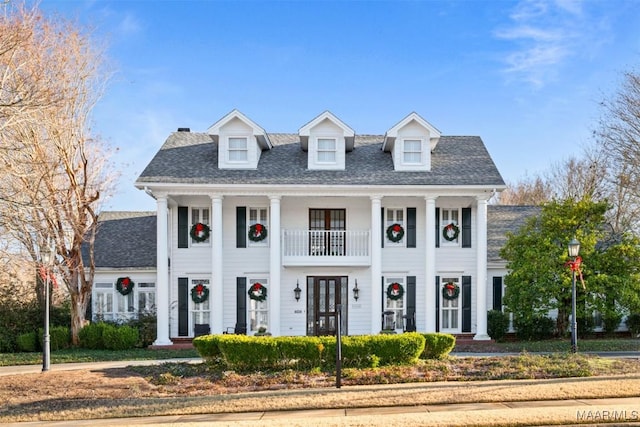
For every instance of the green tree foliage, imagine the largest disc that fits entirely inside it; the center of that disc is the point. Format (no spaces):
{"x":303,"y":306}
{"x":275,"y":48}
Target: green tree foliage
{"x":540,"y":280}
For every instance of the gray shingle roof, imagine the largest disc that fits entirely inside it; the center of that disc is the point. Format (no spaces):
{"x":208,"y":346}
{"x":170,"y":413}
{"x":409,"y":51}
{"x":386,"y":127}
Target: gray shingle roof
{"x":502,"y":219}
{"x":188,"y":157}
{"x":126,"y":240}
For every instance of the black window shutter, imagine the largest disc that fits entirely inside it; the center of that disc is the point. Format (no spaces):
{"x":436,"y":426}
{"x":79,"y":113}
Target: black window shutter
{"x":241,"y":305}
{"x":437,"y":303}
{"x":411,"y":304}
{"x":411,"y":227}
{"x":241,"y":227}
{"x":183,"y":306}
{"x":466,"y":303}
{"x":384,"y":236}
{"x":384,"y":303}
{"x":437,"y":227}
{"x":466,"y":227}
{"x":497,"y":293}
{"x":183,"y":227}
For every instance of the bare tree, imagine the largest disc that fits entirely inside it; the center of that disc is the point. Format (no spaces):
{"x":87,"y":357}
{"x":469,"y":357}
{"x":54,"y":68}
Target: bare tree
{"x":54,"y":168}
{"x":534,"y":191}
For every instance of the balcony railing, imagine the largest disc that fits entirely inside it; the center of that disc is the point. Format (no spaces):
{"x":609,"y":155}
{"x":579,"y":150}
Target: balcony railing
{"x":326,"y":247}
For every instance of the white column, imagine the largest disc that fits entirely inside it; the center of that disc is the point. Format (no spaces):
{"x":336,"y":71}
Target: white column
{"x":162,"y":268}
{"x":376,"y":264}
{"x":275,"y":264}
{"x":481,"y":273}
{"x":431,"y":313}
{"x":217,"y":273}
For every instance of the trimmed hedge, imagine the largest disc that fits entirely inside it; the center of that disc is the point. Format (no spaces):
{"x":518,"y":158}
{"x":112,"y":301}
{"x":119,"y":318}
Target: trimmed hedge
{"x":27,"y":342}
{"x":437,"y":345}
{"x":102,"y":335}
{"x":243,"y":353}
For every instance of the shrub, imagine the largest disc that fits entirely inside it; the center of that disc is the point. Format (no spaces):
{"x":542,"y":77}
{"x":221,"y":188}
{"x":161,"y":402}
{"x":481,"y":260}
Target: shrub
{"x":585,"y":326}
{"x":90,"y":336}
{"x":437,"y":345}
{"x":633,"y":323}
{"x":611,"y":321}
{"x":534,"y":328}
{"x":60,"y":337}
{"x":119,"y":337}
{"x":27,"y":342}
{"x":497,"y":324}
{"x":145,"y":323}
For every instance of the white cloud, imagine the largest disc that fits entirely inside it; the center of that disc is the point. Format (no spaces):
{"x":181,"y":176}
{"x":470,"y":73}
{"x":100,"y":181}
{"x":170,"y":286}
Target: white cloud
{"x":543,"y":36}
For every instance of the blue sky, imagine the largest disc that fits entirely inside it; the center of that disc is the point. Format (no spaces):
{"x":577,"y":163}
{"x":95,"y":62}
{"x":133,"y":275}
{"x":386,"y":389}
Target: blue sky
{"x":526,"y":76}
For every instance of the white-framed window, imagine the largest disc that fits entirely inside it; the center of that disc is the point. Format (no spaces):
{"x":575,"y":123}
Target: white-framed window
{"x":146,"y":297}
{"x":412,"y":151}
{"x":450,"y":308}
{"x":200,"y":215}
{"x":103,"y":301}
{"x":395,"y":216}
{"x":449,"y":223}
{"x":200,"y":311}
{"x":238,"y":149}
{"x":394,"y":308}
{"x":327,"y":150}
{"x":258,"y":310}
{"x":258,"y":216}
{"x":125,"y":305}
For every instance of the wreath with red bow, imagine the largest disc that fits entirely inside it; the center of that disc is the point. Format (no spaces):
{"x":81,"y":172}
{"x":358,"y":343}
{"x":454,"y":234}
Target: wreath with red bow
{"x":200,"y":232}
{"x":257,"y":232}
{"x":199,"y":293}
{"x":395,"y":291}
{"x":450,"y":232}
{"x":124,"y":285}
{"x":395,"y":233}
{"x":450,"y":291}
{"x":258,"y":292}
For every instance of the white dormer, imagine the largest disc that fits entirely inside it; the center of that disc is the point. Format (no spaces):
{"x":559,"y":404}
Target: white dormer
{"x":240,"y":141}
{"x":411,"y":142}
{"x":326,"y":139}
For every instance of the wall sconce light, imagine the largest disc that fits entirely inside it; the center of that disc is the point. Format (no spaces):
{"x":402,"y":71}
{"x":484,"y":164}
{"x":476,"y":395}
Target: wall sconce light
{"x":297,"y":291}
{"x":356,"y":291}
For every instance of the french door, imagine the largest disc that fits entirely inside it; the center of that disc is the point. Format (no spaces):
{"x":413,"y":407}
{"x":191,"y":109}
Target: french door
{"x":324,"y":293}
{"x":326,"y":235}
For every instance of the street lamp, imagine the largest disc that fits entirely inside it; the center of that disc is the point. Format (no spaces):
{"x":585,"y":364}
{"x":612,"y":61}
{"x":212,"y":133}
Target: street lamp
{"x":574,"y":248}
{"x":46,"y":345}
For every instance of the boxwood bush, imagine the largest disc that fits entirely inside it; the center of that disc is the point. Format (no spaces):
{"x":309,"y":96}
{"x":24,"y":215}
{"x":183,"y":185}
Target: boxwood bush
{"x":27,"y":342}
{"x":119,"y":337}
{"x":437,"y":345}
{"x":243,"y":353}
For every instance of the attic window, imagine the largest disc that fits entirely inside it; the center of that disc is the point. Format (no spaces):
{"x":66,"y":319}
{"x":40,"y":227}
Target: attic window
{"x":412,"y":151}
{"x":238,"y":149}
{"x":327,"y":150}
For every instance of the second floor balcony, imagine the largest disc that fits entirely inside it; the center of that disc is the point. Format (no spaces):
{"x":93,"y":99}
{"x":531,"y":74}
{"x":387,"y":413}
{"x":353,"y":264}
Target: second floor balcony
{"x":326,"y":247}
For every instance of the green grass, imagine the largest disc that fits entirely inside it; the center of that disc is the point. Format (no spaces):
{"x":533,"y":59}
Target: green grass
{"x":564,"y":345}
{"x":84,"y":355}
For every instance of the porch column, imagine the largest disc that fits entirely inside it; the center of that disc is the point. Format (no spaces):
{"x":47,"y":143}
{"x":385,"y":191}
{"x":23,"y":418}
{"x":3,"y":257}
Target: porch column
{"x":376,"y":264}
{"x":217,"y":277}
{"x":481,"y":273}
{"x":162,"y":268}
{"x":274,"y":266}
{"x":430,"y":310}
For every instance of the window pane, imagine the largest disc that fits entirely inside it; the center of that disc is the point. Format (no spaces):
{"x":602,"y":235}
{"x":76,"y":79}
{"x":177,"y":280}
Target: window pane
{"x":326,"y":156}
{"x":412,"y":157}
{"x":326,"y":144}
{"x":237,"y":156}
{"x":238,"y":143}
{"x":412,"y":145}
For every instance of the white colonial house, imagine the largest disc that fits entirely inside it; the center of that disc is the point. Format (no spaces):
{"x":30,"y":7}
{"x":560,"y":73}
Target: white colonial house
{"x":277,"y":231}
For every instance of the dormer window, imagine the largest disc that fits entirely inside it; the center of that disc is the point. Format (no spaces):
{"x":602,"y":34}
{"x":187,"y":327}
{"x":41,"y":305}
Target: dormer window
{"x":412,"y":151}
{"x":327,"y":150}
{"x":238,"y":149}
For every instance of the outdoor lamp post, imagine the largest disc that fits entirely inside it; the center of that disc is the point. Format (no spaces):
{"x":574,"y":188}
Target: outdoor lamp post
{"x":46,"y":345}
{"x":574,"y":248}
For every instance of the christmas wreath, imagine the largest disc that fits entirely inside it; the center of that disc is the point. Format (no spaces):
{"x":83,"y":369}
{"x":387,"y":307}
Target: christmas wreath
{"x":450,"y":232}
{"x":395,"y":291}
{"x":257,"y":232}
{"x":258,"y":292}
{"x":199,"y":293}
{"x":450,"y":291}
{"x":200,"y":232}
{"x":395,"y":233}
{"x":124,"y":285}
